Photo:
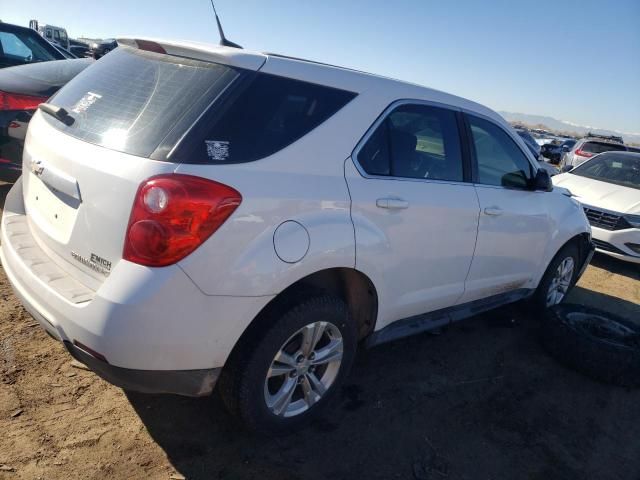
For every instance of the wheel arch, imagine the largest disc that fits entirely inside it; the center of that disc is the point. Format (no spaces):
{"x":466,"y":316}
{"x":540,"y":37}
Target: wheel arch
{"x":352,"y":286}
{"x":582,"y":241}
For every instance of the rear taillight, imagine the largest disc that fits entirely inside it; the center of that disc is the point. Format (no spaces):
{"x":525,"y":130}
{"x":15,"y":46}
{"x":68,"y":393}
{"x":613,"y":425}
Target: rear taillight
{"x":14,"y":101}
{"x":173,"y":215}
{"x":582,"y":153}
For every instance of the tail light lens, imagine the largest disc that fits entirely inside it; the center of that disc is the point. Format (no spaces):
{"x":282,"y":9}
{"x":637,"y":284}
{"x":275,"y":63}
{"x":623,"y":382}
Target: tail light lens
{"x":14,"y":101}
{"x":174,"y":214}
{"x":582,"y":153}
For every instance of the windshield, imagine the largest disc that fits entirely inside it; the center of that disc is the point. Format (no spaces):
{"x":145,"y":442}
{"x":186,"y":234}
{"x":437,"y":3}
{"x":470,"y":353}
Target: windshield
{"x":618,"y":168}
{"x":133,"y":101}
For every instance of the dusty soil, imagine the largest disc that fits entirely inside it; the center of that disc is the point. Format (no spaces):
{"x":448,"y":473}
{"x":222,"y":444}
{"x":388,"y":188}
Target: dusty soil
{"x":480,"y":401}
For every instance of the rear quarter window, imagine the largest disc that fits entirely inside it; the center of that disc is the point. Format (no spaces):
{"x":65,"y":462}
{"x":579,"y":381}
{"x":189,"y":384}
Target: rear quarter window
{"x":266,"y":115}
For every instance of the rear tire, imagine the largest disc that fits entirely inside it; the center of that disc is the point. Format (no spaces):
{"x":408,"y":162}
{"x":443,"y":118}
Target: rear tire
{"x":277,"y":380}
{"x":555,"y":280}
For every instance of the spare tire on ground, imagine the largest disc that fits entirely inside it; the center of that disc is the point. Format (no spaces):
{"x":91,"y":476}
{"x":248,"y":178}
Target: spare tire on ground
{"x":599,"y":344}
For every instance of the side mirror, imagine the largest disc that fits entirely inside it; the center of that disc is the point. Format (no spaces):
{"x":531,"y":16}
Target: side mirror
{"x":567,"y":168}
{"x":565,"y":148}
{"x":542,"y":181}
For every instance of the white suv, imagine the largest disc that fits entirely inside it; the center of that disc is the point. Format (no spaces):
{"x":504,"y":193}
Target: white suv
{"x":587,"y":147}
{"x":193,"y":214}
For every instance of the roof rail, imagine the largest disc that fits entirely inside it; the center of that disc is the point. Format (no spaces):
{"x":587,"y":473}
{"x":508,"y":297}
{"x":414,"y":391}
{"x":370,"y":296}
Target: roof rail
{"x":611,"y":138}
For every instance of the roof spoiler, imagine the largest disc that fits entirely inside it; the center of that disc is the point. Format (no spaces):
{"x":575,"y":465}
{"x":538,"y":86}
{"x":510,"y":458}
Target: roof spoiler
{"x":233,"y":57}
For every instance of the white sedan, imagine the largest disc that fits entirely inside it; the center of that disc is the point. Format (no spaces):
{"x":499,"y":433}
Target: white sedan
{"x":608,"y":186}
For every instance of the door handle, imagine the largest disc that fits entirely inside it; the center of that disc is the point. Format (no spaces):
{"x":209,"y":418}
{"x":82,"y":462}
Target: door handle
{"x":392,"y":203}
{"x":493,"y":211}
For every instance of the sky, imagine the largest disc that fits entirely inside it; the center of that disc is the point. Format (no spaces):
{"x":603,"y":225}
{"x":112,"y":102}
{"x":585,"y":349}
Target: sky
{"x":577,"y":61}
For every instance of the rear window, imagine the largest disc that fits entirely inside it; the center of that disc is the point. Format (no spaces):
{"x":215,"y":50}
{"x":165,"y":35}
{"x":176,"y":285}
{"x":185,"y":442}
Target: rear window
{"x":136,"y":101}
{"x":599,"y":147}
{"x":263,"y":117}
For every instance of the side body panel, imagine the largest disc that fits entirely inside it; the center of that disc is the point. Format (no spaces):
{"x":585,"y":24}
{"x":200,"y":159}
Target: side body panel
{"x":417,"y":257}
{"x":304,"y":183}
{"x":513,"y":230}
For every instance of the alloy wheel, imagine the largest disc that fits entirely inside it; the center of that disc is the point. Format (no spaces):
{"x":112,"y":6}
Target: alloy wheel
{"x":561,"y":282}
{"x":303,"y":369}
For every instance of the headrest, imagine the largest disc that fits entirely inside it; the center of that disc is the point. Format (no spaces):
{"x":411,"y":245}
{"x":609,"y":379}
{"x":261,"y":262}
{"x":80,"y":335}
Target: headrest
{"x":403,"y":142}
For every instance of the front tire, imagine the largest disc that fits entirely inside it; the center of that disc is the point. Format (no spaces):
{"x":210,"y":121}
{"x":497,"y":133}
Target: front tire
{"x":558,"y":280}
{"x":284,"y":374}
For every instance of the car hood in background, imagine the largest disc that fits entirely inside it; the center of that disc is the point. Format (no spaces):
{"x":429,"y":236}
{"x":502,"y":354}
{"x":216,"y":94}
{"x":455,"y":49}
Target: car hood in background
{"x":596,"y":193}
{"x":41,"y":79}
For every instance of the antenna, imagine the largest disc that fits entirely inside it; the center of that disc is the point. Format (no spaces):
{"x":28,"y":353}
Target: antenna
{"x":223,"y":40}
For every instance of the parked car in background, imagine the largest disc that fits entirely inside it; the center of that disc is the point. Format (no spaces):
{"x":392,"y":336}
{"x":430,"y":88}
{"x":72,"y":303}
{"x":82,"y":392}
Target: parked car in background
{"x":554,"y":150}
{"x":79,"y":49}
{"x":608,"y":186}
{"x":55,"y":35}
{"x":530,"y":141}
{"x":633,"y":149}
{"x":102,"y":47}
{"x":550,"y":169}
{"x":22,"y":45}
{"x":22,"y":89}
{"x":177,"y":236}
{"x":534,"y":148}
{"x":589,"y":146}
{"x":66,"y":53}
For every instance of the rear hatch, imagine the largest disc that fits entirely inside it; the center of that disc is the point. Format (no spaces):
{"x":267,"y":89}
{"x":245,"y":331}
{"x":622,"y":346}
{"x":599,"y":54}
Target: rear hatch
{"x":81,"y":178}
{"x":594,"y":148}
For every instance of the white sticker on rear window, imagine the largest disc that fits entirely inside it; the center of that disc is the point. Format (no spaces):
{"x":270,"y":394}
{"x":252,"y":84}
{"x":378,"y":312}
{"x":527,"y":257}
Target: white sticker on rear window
{"x":217,"y":150}
{"x":85,"y":102}
{"x":616,"y":164}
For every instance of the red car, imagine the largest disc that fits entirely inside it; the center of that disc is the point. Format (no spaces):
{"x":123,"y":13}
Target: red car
{"x":22,"y":89}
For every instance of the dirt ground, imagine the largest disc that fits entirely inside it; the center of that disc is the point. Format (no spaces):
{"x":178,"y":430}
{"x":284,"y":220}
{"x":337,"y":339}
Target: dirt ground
{"x":480,"y":401}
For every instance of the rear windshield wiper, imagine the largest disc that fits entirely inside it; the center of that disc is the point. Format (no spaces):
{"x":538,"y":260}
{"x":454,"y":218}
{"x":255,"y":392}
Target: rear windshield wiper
{"x":57,"y":112}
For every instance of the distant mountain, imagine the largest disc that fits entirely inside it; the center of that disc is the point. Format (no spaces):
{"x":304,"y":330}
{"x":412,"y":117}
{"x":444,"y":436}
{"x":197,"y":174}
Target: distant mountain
{"x":566,"y":127}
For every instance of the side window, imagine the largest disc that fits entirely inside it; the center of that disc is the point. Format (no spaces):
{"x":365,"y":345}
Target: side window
{"x":48,"y":33}
{"x":56,"y":35}
{"x":415,"y":141}
{"x":500,"y":161}
{"x":14,"y":47}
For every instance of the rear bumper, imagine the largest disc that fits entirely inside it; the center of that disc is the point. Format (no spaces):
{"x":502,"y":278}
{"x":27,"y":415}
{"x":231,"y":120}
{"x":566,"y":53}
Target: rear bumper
{"x":156,"y":330}
{"x":192,"y":383}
